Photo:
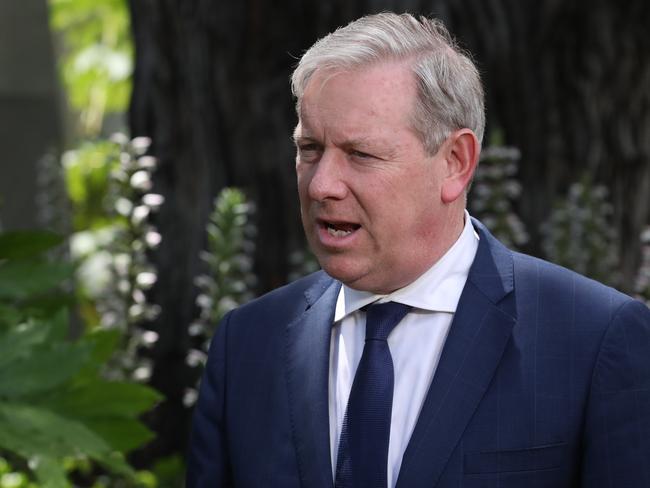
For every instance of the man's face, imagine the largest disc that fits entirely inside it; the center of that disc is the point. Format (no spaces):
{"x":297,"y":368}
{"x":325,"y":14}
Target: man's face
{"x":370,"y":195}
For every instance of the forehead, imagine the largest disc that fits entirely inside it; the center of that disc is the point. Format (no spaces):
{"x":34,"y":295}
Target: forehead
{"x":378,"y":95}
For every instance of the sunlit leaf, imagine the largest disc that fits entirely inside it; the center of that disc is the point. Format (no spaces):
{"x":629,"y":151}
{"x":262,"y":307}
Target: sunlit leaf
{"x":96,"y":64}
{"x":50,"y":472}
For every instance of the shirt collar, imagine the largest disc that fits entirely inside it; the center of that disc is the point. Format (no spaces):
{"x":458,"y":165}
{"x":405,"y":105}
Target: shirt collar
{"x":438,"y":289}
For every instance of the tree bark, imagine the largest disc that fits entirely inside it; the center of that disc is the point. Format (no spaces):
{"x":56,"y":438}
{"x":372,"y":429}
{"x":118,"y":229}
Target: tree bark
{"x":173,"y":103}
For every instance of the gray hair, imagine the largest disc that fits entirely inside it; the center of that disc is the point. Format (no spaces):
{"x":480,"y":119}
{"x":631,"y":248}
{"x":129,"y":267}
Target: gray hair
{"x":449,"y":91}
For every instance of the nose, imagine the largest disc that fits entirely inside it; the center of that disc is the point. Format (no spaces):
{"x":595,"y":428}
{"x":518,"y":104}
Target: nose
{"x":327,"y":179}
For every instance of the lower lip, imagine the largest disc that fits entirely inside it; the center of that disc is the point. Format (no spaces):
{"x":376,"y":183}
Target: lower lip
{"x":327,"y":240}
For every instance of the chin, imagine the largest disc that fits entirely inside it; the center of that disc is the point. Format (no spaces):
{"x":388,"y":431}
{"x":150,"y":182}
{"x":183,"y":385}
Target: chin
{"x":340,"y":269}
{"x":355,"y":278}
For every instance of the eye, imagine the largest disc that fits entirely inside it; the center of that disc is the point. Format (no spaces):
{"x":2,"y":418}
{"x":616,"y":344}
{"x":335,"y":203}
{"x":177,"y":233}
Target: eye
{"x":307,"y":147}
{"x":361,"y":155}
{"x":308,"y":151}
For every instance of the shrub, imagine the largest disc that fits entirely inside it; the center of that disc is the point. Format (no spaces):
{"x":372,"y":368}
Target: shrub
{"x":54,"y":404}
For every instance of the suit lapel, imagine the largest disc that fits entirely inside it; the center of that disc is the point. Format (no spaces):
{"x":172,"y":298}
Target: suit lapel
{"x":477,"y":338}
{"x":307,"y":363}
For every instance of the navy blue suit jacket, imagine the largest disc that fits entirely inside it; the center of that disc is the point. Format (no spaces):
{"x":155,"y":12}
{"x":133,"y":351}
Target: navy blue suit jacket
{"x":544,"y":381}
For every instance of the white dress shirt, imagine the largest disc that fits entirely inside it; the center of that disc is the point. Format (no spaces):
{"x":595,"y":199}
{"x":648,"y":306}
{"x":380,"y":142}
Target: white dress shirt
{"x":416,"y":343}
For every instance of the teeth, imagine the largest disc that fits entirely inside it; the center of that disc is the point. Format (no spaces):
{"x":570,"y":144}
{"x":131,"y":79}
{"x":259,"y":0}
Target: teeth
{"x":338,"y":233}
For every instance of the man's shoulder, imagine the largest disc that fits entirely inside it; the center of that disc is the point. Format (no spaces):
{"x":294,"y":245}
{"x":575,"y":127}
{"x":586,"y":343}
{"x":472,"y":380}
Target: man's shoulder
{"x":289,"y":300}
{"x":534,"y":278}
{"x":563,"y":287}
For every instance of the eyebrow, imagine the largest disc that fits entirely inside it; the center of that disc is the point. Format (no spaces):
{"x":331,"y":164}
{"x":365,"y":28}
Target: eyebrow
{"x":360,"y":141}
{"x":296,"y":138}
{"x":363,"y":143}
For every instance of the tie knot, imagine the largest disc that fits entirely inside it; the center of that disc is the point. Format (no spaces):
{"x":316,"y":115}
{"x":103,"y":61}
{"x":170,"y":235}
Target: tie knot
{"x":381,"y":319}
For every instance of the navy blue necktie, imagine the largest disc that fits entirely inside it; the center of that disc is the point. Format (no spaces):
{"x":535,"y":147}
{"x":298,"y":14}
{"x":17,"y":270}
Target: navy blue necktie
{"x":363,"y":449}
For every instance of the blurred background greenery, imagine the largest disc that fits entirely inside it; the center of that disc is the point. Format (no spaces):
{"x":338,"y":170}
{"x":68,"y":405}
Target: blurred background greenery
{"x":148,"y":142}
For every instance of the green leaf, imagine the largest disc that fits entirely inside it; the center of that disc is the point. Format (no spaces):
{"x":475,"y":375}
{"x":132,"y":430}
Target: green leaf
{"x":48,"y":304}
{"x":42,"y":370}
{"x":58,"y":326}
{"x":170,"y":471}
{"x":103,"y":342}
{"x":32,"y":431}
{"x":24,"y":244}
{"x":49,"y":472}
{"x":104,"y":399}
{"x":9,"y":316}
{"x":19,"y":341}
{"x":21,"y":279}
{"x":24,"y":431}
{"x":123,"y":435}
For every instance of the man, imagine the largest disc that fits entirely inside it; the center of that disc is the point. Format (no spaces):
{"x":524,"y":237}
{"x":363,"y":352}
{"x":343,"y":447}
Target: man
{"x":425,"y":353}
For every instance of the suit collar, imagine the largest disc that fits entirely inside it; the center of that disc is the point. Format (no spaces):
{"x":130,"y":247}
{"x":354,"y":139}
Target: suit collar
{"x":307,"y":368}
{"x":478,"y":336}
{"x":493,"y":270}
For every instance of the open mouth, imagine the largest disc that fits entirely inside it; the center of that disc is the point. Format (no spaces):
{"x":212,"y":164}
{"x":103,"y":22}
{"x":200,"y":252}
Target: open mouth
{"x":340,"y":229}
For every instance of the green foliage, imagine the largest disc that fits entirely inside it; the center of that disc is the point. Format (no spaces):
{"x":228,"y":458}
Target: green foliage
{"x":130,"y":204}
{"x":495,"y":191}
{"x":113,"y":241}
{"x":229,"y":280}
{"x":96,"y":63}
{"x":54,"y":404}
{"x":107,"y":183}
{"x":12,"y":478}
{"x":20,"y":279}
{"x":87,"y":172}
{"x":169,"y":471}
{"x":228,"y":256}
{"x":579,"y":234}
{"x":25,"y":244}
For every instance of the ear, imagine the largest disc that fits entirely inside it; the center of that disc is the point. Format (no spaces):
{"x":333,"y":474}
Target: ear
{"x":462,"y":151}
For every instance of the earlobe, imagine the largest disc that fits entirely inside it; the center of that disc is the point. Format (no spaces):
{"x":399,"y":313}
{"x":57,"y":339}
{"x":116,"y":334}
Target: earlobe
{"x":462,"y":150}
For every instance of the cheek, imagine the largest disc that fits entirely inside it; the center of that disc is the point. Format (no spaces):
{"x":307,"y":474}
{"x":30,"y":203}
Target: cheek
{"x":413,"y":193}
{"x":414,"y":209}
{"x":303,"y":183}
{"x":426,"y":189}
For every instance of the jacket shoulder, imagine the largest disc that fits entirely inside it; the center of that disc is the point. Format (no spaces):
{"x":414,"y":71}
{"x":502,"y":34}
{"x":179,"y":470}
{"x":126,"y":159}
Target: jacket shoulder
{"x":287,"y":301}
{"x":564,"y":290}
